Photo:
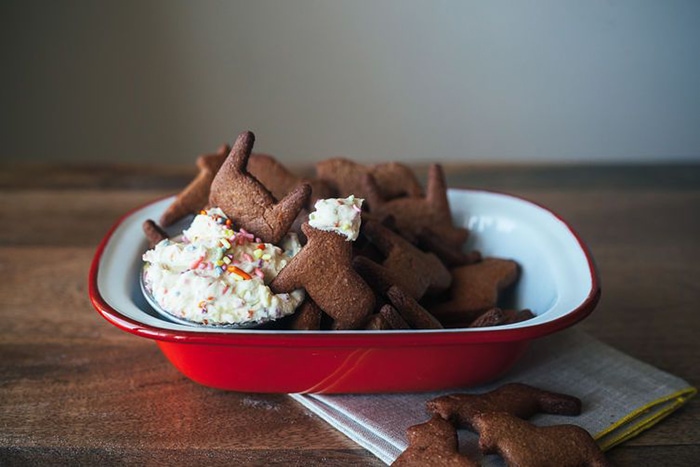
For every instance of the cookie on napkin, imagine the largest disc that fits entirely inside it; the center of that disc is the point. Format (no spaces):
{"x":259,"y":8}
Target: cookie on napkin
{"x":519,"y":442}
{"x":518,"y":399}
{"x":433,"y":444}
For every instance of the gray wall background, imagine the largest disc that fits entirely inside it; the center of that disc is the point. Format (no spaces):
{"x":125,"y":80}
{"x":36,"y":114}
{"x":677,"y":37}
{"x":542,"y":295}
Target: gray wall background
{"x":451,"y":80}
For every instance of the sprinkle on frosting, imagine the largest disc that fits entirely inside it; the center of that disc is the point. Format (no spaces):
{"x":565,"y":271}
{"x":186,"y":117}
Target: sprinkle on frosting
{"x":339,"y":215}
{"x":220,"y":273}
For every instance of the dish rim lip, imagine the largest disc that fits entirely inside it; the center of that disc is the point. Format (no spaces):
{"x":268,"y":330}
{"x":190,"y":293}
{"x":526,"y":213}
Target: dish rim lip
{"x":347,"y":338}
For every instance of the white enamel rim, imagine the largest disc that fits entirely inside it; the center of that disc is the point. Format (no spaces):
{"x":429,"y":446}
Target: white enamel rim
{"x":558,"y":275}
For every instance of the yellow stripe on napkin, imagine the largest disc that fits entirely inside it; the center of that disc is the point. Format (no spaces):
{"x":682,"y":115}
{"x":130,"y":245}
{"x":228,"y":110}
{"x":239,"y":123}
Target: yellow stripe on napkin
{"x":643,"y":418}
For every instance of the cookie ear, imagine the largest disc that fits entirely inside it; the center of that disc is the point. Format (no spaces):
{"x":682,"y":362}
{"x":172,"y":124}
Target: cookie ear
{"x":241,"y":151}
{"x":436,"y":189}
{"x":288,"y":208}
{"x":247,"y":202}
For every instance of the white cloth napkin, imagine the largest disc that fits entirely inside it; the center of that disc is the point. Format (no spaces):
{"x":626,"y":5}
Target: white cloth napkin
{"x":621,"y":397}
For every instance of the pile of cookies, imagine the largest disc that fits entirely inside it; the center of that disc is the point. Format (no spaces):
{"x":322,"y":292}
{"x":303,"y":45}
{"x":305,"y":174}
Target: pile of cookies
{"x":500,"y":418}
{"x":407,"y":270}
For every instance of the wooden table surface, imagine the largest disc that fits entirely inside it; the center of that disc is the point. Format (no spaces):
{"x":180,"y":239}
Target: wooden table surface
{"x":74,"y":390}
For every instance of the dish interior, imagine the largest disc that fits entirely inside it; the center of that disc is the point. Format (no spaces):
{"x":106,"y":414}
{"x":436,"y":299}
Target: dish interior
{"x":556,"y":274}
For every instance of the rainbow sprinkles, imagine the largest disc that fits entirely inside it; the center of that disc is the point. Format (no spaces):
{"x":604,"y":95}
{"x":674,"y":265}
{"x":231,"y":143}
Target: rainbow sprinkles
{"x":213,"y":274}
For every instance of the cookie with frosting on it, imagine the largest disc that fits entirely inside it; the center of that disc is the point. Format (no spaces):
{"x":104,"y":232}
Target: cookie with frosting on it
{"x":414,"y":214}
{"x":475,"y":289}
{"x":342,"y":216}
{"x":248,"y":202}
{"x":519,"y":442}
{"x":195,"y":196}
{"x":323,"y":267}
{"x":434,"y":443}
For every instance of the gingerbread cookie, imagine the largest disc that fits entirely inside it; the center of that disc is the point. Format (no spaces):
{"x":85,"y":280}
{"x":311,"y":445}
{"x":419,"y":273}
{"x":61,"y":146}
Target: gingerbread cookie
{"x":517,"y":399}
{"x":307,"y":317}
{"x":410,"y":310}
{"x":519,"y":442}
{"x":154,"y":234}
{"x":346,"y":177}
{"x":414,"y":270}
{"x":395,"y":180}
{"x":323,"y":268}
{"x":195,"y":195}
{"x":451,"y":257}
{"x":248,"y":202}
{"x":387,"y":318}
{"x":414,"y":214}
{"x":376,"y":276}
{"x":433,"y":444}
{"x":377,"y":322}
{"x":491,"y":317}
{"x":393,"y":318}
{"x":281,"y":181}
{"x":497,"y":317}
{"x":516,"y":316}
{"x":343,"y":175}
{"x":475,"y":289}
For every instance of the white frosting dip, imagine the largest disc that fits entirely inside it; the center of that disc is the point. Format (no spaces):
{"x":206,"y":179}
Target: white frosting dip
{"x":339,"y":215}
{"x":215,"y":275}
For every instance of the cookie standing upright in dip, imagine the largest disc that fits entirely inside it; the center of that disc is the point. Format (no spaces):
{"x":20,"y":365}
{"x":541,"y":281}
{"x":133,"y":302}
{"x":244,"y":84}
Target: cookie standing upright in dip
{"x":214,"y":275}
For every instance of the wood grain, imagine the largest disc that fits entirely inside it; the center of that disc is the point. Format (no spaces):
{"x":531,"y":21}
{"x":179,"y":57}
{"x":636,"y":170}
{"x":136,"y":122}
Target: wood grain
{"x":76,"y":390}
